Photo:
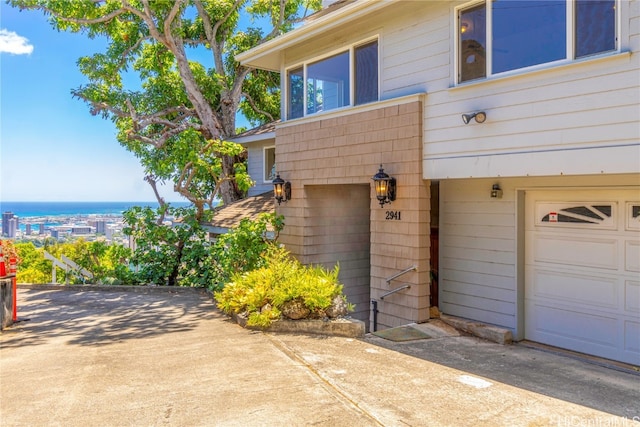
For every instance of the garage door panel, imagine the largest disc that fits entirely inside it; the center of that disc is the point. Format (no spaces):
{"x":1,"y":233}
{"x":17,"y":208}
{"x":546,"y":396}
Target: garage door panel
{"x":632,"y":337}
{"x":567,"y":250}
{"x":632,"y":256}
{"x":553,"y":325}
{"x":632,"y":296}
{"x":582,"y":265}
{"x":598,"y":292}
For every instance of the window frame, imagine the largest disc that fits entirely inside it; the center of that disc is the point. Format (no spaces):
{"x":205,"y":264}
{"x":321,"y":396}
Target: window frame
{"x":265,"y":177}
{"x":352,"y":75}
{"x":570,"y":48}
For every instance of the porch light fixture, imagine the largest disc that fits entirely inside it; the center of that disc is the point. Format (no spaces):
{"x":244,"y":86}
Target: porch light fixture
{"x":281,"y":189}
{"x":385,"y":187}
{"x":480,"y":117}
{"x":496,"y":192}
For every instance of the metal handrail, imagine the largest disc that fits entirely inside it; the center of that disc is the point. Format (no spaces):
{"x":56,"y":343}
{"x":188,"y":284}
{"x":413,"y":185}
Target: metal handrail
{"x":406,"y":270}
{"x":407,"y":286}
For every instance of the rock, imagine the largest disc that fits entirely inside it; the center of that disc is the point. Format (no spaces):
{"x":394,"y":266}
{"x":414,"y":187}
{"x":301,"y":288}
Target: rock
{"x":266,"y":307}
{"x":295,"y":309}
{"x":338,"y":307}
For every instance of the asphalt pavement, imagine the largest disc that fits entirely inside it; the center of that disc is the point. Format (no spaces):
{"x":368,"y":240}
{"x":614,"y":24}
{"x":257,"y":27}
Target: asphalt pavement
{"x":156,"y":357}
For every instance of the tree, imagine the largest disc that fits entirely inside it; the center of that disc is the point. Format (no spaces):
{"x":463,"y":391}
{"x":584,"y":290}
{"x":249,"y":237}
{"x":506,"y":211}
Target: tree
{"x":178,"y":120}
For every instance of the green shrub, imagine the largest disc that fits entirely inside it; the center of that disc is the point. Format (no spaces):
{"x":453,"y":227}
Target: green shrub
{"x":176,"y":254}
{"x":242,"y":248}
{"x":262,"y":293}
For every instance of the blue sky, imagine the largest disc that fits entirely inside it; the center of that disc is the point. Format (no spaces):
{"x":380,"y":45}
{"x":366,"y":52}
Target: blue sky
{"x":51,"y":148}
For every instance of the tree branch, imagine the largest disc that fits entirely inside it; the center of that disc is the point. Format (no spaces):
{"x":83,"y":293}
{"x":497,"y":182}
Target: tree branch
{"x":152,"y":182}
{"x":281,"y":17}
{"x":133,"y":47}
{"x":217,"y":48}
{"x":255,"y":107}
{"x":209,"y":34}
{"x":81,"y":21}
{"x":147,"y":19}
{"x":177,"y":6}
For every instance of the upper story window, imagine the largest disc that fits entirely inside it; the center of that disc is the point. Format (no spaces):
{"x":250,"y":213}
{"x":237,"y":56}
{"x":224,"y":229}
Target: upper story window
{"x":346,"y":78}
{"x":504,"y":35}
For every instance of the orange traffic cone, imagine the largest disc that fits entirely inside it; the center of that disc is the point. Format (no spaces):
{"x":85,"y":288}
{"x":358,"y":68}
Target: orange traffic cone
{"x":3,"y":268}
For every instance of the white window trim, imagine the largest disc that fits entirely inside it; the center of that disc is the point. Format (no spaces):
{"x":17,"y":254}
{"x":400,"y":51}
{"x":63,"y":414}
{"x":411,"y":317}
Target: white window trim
{"x":570,"y":47}
{"x":264,"y":163}
{"x":348,"y":48}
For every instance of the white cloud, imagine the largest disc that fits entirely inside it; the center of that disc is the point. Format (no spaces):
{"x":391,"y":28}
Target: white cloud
{"x":10,"y":42}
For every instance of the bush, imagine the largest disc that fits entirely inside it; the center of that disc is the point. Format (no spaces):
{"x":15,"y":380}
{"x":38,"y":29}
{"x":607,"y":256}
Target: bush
{"x":173,"y":254}
{"x":108,"y":263}
{"x":262,"y":294}
{"x":242,"y":248}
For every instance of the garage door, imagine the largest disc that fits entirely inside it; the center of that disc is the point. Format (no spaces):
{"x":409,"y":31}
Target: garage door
{"x":582,"y":271}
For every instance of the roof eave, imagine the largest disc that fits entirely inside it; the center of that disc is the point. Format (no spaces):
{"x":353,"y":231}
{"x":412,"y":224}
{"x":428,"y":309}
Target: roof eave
{"x":267,"y":56}
{"x":254,"y":138}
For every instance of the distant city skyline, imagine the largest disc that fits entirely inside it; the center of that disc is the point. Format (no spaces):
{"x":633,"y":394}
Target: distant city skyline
{"x":51,"y":147}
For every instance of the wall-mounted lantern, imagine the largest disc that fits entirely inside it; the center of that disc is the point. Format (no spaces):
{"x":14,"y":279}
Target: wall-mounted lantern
{"x":281,"y":189}
{"x":385,"y":187}
{"x":480,"y":117}
{"x":496,"y":192}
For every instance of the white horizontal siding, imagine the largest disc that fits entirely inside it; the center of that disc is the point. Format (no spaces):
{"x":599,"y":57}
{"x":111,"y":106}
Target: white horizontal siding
{"x":415,"y":49}
{"x":550,"y":163}
{"x":590,"y":104}
{"x":478,"y":243}
{"x":255,"y":167}
{"x":477,"y":276}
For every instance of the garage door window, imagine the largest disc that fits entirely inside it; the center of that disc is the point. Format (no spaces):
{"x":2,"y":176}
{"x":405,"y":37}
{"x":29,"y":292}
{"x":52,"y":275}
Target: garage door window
{"x":633,"y":219}
{"x":574,"y":214}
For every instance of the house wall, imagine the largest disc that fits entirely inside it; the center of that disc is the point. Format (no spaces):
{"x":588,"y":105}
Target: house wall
{"x":576,"y":117}
{"x":327,"y":157}
{"x":479,"y":267}
{"x":337,"y":232}
{"x":579,"y":117}
{"x":561,"y":125}
{"x":571,"y":119}
{"x":255,"y":166}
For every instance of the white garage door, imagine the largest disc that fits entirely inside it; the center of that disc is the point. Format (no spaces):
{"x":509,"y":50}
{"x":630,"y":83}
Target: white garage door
{"x":582,"y":271}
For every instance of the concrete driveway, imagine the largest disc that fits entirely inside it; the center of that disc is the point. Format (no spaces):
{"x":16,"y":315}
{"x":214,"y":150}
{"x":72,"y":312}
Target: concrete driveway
{"x":157,"y":357}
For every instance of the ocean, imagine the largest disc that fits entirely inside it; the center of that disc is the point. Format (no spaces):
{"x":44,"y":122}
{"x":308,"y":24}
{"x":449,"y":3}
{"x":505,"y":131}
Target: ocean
{"x":53,"y":214}
{"x":52,"y":209}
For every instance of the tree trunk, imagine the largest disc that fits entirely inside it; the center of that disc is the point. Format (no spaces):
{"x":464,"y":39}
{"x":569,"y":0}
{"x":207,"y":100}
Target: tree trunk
{"x":173,"y":277}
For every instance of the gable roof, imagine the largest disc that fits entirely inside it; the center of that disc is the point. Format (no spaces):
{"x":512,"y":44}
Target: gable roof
{"x":229,"y":216}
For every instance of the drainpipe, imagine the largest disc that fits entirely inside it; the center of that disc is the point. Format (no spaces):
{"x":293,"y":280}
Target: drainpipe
{"x":374,"y":304}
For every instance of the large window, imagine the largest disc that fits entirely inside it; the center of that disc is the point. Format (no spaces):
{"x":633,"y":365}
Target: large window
{"x":343,"y":79}
{"x":504,"y":35}
{"x":328,"y":83}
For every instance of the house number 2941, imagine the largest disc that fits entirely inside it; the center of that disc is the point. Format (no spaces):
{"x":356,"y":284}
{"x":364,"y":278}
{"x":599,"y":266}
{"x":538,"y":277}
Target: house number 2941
{"x":393,"y":215}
